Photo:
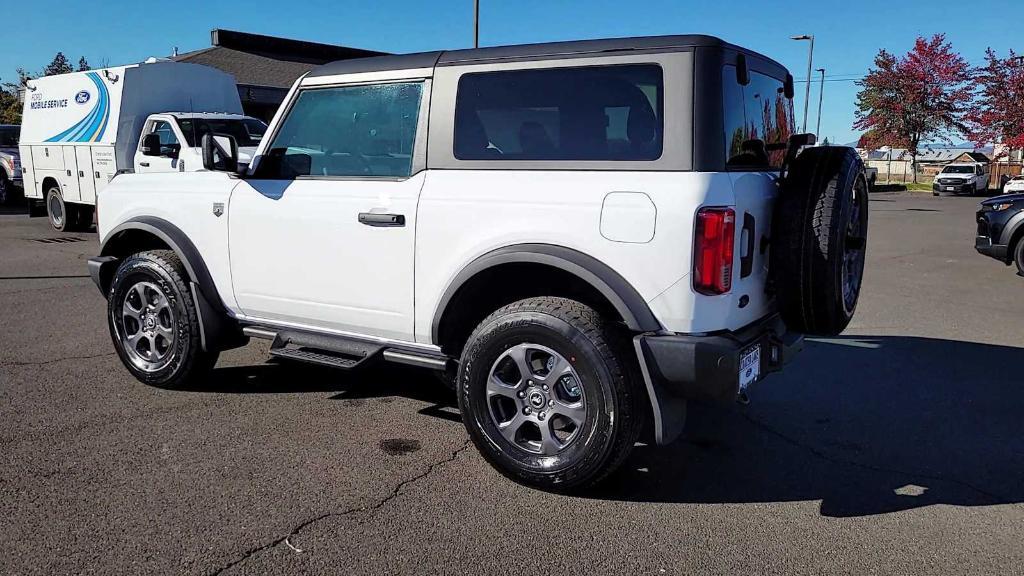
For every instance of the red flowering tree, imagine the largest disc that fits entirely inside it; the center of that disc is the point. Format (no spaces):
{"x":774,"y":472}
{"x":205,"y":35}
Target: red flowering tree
{"x":920,"y":96}
{"x":998,"y":112}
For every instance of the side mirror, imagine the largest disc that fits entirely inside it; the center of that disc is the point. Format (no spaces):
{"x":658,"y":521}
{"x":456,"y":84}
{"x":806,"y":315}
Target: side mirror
{"x":788,"y":87}
{"x":151,"y":145}
{"x":220,"y":152}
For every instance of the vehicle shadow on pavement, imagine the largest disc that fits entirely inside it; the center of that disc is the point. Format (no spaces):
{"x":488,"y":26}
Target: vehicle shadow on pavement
{"x":867,"y":425}
{"x":377,"y":381}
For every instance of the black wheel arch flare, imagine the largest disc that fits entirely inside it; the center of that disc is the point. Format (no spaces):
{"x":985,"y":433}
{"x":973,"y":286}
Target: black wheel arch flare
{"x":219,"y":331}
{"x":621,"y":294}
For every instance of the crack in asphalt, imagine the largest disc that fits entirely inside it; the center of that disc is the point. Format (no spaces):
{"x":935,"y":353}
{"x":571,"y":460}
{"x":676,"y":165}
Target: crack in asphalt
{"x":835,"y":460}
{"x":54,"y":361}
{"x":394,"y":493}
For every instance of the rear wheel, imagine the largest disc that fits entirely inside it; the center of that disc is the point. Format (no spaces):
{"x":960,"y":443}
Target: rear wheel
{"x":818,"y":247}
{"x":62,"y":216}
{"x":549,"y":394}
{"x":154,"y":323}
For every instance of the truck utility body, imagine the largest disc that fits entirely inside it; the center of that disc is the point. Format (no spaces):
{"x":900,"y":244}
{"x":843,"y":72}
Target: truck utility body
{"x":81,"y":129}
{"x":581,"y":237}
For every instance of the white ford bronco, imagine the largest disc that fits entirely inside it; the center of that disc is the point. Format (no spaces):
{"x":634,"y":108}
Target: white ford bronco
{"x":580,"y":237}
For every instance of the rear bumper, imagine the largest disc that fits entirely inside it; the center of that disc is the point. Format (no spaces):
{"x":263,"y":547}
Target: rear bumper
{"x":679,"y":367}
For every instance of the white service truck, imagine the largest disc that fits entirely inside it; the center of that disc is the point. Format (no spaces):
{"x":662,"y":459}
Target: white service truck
{"x":81,"y":129}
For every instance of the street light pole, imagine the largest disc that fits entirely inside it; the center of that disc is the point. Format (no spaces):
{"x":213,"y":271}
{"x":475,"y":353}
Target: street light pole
{"x":810,"y":60}
{"x":821,"y":96}
{"x":476,"y":23}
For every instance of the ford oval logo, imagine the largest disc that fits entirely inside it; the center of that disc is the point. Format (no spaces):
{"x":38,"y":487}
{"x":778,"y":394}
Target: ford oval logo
{"x":82,"y":97}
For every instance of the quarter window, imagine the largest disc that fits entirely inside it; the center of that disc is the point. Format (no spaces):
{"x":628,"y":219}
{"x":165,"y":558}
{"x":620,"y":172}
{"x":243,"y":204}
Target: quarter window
{"x":758,"y":121}
{"x":587,"y":113}
{"x":355,"y":131}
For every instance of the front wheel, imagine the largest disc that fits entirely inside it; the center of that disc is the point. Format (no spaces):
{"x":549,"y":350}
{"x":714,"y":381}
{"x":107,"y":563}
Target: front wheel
{"x":1018,"y":256}
{"x":6,"y":188}
{"x":154,"y":323}
{"x":549,"y":393}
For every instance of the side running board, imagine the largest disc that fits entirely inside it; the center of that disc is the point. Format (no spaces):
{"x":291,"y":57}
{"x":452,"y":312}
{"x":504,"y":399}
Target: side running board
{"x":341,"y":352}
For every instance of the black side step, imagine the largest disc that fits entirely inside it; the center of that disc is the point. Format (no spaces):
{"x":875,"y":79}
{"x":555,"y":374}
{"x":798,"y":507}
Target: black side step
{"x":323,"y":350}
{"x":343,"y":352}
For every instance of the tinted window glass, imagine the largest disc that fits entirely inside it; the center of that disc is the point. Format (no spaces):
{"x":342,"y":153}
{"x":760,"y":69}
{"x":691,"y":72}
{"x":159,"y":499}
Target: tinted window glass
{"x":347,"y":131}
{"x":247,"y":132}
{"x":9,"y":136}
{"x":758,"y":121}
{"x":165,"y":132}
{"x":592,"y":113}
{"x":958,"y":170}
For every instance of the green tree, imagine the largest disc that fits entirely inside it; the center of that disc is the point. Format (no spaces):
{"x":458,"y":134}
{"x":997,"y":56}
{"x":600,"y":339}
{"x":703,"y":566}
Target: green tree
{"x":10,"y":108}
{"x":83,"y":64}
{"x":59,"y":65}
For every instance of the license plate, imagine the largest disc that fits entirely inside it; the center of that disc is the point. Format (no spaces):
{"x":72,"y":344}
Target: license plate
{"x":750,"y":366}
{"x":950,"y":188}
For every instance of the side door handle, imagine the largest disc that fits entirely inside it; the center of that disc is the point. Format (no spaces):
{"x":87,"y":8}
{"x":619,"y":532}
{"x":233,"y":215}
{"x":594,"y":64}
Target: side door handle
{"x":382,"y":220}
{"x":144,"y":164}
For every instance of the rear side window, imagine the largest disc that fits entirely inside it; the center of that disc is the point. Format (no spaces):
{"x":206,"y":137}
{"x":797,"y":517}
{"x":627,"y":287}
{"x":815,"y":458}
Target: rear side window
{"x":350,"y":131}
{"x":758,"y":121}
{"x":587,"y":113}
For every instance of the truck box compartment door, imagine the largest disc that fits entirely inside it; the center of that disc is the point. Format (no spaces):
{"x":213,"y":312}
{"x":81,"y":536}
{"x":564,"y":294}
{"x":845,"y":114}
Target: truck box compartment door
{"x":49,"y":157}
{"x":86,"y":178}
{"x":69,"y":178}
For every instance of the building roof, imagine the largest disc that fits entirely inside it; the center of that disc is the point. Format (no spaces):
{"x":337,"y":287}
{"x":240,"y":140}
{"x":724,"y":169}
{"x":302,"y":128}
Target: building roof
{"x":978,"y":156}
{"x":258,"y":60}
{"x":526,"y":51}
{"x":930,"y":155}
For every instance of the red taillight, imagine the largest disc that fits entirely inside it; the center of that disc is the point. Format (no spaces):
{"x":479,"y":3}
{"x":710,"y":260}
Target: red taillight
{"x":713,"y":243}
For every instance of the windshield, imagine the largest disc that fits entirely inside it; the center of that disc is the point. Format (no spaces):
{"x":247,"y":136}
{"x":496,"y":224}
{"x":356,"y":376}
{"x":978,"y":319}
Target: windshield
{"x":9,"y":135}
{"x":958,"y":170}
{"x":247,"y":131}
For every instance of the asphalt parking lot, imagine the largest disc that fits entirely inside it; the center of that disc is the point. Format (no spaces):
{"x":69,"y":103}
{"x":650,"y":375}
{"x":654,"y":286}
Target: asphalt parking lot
{"x":896,"y":448}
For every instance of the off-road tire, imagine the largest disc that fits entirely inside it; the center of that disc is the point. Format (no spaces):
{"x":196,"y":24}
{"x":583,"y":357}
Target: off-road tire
{"x":599,"y":353}
{"x":190,"y":364}
{"x":824,"y":192}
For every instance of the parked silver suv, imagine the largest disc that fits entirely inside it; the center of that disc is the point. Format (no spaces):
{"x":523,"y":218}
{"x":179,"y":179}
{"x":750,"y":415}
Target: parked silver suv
{"x":10,"y":162}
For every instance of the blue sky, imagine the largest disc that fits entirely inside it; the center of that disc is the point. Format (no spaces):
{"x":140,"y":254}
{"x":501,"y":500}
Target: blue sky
{"x":848,"y":34}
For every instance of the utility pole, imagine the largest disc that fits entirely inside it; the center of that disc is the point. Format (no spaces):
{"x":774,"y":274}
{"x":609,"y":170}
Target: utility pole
{"x":476,"y":23}
{"x":810,"y":60}
{"x":821,"y":96}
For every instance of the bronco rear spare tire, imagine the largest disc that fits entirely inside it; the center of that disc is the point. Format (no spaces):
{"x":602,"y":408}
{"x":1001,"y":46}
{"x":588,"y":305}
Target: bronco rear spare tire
{"x":819,"y":240}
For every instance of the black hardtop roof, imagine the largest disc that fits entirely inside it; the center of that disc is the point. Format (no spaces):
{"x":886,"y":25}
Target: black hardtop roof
{"x":523,"y":51}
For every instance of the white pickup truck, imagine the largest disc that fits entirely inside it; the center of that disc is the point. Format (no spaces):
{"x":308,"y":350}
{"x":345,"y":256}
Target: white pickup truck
{"x":961,"y":178}
{"x":81,"y":129}
{"x":576,"y":235}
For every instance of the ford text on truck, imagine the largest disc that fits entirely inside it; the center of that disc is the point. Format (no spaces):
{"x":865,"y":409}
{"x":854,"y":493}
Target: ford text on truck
{"x":79,"y":130}
{"x":581,"y":236}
